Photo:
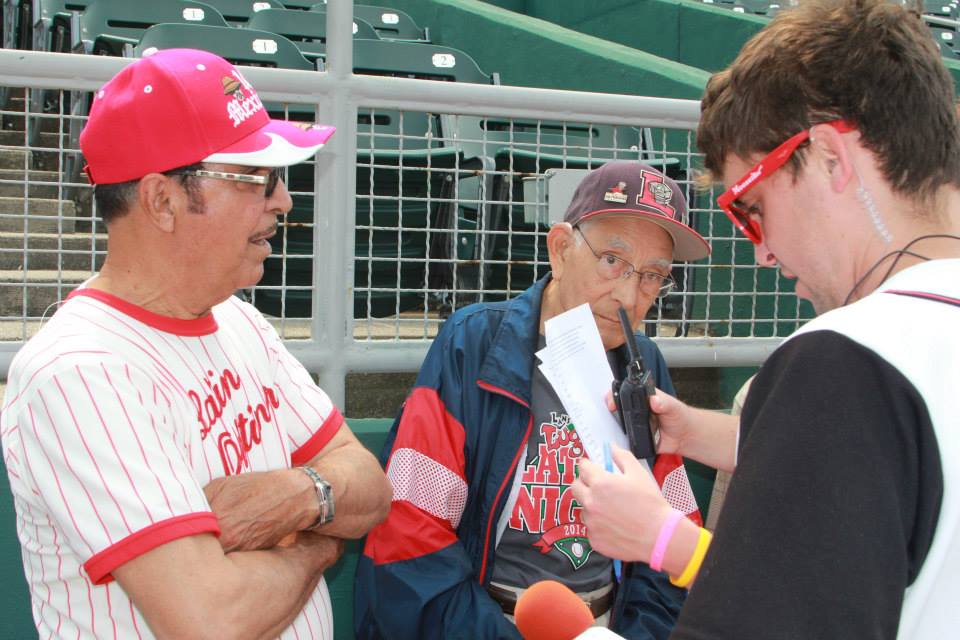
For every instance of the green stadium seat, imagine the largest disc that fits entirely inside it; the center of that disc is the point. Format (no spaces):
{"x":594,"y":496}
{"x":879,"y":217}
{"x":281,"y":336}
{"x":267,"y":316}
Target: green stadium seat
{"x":52,"y":22}
{"x":391,"y":24}
{"x":398,"y":155}
{"x":14,"y":34}
{"x":417,"y":60}
{"x":518,"y":148}
{"x":238,"y":12}
{"x":435,"y":62}
{"x":947,"y":51}
{"x":303,"y":5}
{"x":946,"y":37}
{"x":107,"y":26}
{"x":520,"y":153}
{"x":16,"y":24}
{"x":249,"y":47}
{"x":755,"y":7}
{"x":306,"y":29}
{"x":942,"y":8}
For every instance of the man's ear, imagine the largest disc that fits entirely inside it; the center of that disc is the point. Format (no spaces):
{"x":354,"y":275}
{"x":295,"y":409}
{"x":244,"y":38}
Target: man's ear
{"x":159,"y":198}
{"x":831,"y":150}
{"x":560,"y":241}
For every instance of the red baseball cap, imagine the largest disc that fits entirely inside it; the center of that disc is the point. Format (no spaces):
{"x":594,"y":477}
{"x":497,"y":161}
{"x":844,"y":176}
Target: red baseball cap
{"x":179,"y":107}
{"x":629,"y":188}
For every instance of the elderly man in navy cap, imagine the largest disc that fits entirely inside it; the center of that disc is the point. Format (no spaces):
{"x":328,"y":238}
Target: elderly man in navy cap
{"x":155,"y":412}
{"x":482,"y":457}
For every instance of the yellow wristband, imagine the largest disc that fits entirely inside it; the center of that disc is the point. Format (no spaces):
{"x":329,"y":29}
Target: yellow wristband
{"x":703,"y":543}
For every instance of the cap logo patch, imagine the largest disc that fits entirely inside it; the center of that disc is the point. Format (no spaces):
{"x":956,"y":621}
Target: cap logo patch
{"x":242,"y":104}
{"x":655,"y":195}
{"x":616,"y":194}
{"x":232,"y":87}
{"x":661,"y":192}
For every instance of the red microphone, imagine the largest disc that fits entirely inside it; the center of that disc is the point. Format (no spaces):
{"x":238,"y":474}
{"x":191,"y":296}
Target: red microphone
{"x":550,"y":611}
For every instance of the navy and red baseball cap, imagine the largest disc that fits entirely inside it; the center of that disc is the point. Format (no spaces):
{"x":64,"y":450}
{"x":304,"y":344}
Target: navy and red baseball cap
{"x":178,"y":107}
{"x":630,"y":188}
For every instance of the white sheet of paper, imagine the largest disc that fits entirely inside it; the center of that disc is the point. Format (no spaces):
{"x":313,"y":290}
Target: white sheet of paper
{"x":576,"y":365}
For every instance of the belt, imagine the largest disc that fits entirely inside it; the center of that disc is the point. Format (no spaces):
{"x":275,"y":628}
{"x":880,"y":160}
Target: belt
{"x":507,"y":599}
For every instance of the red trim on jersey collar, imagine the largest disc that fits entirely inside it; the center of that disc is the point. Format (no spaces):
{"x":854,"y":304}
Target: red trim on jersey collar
{"x":192,"y":328}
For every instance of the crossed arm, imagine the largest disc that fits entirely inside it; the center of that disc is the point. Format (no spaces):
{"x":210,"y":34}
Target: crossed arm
{"x":257,"y":510}
{"x":255,"y":580}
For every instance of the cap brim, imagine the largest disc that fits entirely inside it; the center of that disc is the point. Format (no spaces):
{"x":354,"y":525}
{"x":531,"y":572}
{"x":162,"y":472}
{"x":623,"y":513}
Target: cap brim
{"x":279,"y":144}
{"x":688,"y":245}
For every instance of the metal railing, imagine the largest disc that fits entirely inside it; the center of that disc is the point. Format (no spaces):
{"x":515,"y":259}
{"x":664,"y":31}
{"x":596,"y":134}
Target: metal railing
{"x":430,"y":196}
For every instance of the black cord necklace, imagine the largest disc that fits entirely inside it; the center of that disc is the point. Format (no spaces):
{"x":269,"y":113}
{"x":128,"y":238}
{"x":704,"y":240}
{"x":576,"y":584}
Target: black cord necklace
{"x":905,"y":251}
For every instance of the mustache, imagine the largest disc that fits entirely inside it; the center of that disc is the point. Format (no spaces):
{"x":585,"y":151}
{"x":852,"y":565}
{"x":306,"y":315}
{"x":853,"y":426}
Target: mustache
{"x":269,"y":232}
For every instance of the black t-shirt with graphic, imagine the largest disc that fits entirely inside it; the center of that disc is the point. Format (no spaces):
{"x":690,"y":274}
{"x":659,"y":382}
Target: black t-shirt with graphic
{"x":544,"y":538}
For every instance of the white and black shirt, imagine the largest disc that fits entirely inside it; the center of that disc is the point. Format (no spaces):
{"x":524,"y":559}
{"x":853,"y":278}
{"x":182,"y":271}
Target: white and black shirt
{"x":843,"y":517}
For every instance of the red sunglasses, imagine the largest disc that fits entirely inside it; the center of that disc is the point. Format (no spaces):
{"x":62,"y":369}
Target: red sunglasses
{"x":729,"y":199}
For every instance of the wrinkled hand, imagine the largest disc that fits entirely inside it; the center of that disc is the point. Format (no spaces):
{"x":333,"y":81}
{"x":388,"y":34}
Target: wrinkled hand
{"x":622,"y":513}
{"x":674,"y":418}
{"x":253,"y":509}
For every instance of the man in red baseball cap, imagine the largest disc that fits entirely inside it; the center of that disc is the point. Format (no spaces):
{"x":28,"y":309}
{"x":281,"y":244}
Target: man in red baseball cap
{"x":176,"y":471}
{"x":483,"y":456}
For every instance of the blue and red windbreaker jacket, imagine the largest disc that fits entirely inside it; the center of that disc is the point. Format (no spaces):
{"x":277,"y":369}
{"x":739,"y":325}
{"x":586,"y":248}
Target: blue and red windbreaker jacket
{"x":451,"y":457}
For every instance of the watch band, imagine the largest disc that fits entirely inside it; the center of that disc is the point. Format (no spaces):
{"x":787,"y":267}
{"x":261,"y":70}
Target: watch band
{"x":324,"y":497}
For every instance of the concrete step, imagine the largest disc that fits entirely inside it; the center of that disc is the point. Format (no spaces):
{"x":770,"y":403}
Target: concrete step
{"x":16,"y":157}
{"x":39,"y":184}
{"x":36,"y":175}
{"x":42,"y":215}
{"x":42,"y":183}
{"x":55,"y":160}
{"x":52,"y":251}
{"x":18,"y":330}
{"x":47,"y":118}
{"x":33,"y":293}
{"x":16,"y":97}
{"x":46,"y":139}
{"x":13,"y":159}
{"x":12,"y":122}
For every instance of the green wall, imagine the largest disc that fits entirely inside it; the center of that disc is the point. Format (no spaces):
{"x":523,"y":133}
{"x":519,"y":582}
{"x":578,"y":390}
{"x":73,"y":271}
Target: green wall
{"x":16,"y":621}
{"x":686,"y":31}
{"x":530,"y":52}
{"x":520,"y":6}
{"x":692,"y":33}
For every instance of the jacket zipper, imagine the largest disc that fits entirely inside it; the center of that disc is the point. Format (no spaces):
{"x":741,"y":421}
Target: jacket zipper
{"x":506,"y":480}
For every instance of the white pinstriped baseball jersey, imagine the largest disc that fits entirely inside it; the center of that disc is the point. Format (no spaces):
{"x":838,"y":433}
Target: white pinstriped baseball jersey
{"x":114,"y":420}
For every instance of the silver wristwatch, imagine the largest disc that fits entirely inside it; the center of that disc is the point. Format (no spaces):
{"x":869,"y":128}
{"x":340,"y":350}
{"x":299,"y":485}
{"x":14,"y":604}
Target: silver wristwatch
{"x":324,"y":497}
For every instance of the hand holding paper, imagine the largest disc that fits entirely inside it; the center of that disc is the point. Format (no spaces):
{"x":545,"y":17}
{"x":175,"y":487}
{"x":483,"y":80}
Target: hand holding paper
{"x":575,"y":364}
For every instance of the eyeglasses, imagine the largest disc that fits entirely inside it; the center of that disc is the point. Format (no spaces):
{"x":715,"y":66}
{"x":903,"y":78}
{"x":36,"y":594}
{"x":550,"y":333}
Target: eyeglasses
{"x":611,"y":267}
{"x":729,"y":200}
{"x":270,"y":180}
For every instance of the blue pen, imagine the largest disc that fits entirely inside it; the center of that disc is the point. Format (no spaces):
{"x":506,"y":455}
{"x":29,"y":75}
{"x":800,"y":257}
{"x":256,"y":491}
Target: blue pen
{"x":608,"y":465}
